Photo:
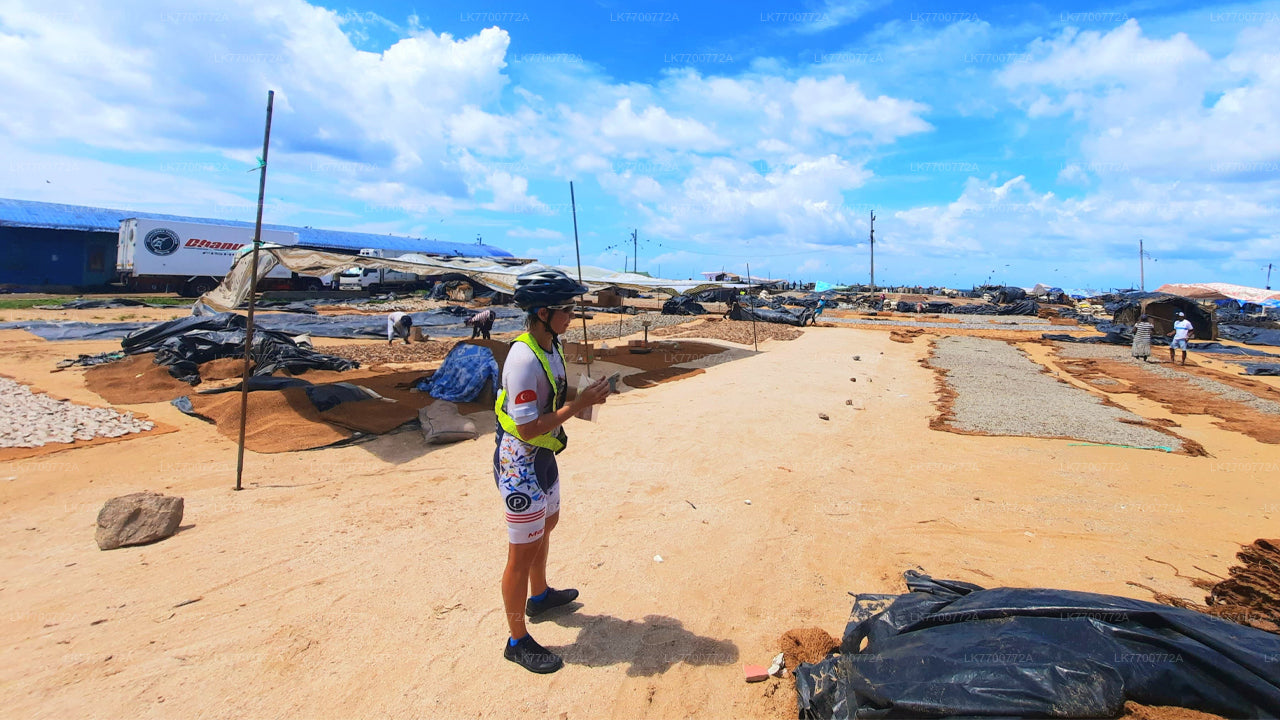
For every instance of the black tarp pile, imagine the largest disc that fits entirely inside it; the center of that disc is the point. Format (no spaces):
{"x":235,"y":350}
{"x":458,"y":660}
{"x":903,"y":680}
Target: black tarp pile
{"x":783,"y":316}
{"x":1250,"y":334}
{"x":682,"y":305}
{"x":950,"y":648}
{"x":442,"y":322}
{"x":184,"y":344}
{"x":1262,"y":369}
{"x":1020,"y":307}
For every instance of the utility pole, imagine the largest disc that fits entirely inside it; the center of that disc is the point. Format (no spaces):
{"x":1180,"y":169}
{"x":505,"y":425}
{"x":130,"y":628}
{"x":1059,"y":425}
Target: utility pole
{"x":1268,"y":276}
{"x":1142,"y":274}
{"x":635,"y":248}
{"x":873,"y":251}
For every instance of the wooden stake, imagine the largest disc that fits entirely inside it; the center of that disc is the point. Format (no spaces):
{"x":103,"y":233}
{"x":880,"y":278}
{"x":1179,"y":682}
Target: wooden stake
{"x":586,"y":339}
{"x":253,"y":290}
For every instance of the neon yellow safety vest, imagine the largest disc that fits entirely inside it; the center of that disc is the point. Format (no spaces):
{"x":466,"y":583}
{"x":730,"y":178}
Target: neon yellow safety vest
{"x":554,"y":441}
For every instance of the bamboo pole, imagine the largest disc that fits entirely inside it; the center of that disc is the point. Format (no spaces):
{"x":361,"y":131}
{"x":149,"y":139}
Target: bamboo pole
{"x":253,"y":289}
{"x":586,"y":339}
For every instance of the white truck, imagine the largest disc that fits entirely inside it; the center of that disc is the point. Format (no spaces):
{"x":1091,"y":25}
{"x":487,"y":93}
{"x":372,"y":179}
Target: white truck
{"x":191,"y":258}
{"x":377,"y":280}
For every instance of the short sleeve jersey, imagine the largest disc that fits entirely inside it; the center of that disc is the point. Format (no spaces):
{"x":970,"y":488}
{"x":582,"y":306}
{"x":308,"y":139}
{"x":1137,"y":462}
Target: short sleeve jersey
{"x":1182,"y":329}
{"x":529,"y":395}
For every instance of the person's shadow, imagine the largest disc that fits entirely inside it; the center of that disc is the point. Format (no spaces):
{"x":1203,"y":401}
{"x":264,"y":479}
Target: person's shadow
{"x":651,"y":645}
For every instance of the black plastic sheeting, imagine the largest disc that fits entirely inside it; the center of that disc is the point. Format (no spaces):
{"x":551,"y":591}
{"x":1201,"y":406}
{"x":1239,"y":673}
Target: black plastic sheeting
{"x":941,"y":307}
{"x":682,"y":305}
{"x":1262,"y":369}
{"x":951,"y":648}
{"x":184,"y":344}
{"x":784,"y":317}
{"x":444,"y":322}
{"x":1250,"y":335}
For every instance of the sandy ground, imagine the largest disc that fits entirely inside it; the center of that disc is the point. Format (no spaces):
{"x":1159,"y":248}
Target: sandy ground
{"x":363,"y":581}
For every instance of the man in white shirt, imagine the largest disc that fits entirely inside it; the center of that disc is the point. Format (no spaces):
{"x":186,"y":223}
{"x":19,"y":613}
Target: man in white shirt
{"x":398,"y":325}
{"x":1181,"y":333}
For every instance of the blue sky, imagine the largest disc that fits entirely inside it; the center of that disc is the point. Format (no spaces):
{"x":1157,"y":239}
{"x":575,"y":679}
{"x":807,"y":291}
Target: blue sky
{"x":1019,"y":142}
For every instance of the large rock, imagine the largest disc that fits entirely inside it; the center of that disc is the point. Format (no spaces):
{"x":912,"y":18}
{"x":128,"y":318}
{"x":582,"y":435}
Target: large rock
{"x":137,"y":519}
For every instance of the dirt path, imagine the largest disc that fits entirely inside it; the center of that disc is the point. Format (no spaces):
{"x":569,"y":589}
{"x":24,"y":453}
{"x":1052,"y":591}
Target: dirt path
{"x":362,"y":581}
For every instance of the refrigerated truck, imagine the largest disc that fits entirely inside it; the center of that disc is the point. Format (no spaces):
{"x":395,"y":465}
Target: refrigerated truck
{"x":192,"y":258}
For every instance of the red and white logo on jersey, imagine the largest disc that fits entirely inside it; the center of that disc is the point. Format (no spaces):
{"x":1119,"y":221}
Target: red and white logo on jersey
{"x":526,"y":396}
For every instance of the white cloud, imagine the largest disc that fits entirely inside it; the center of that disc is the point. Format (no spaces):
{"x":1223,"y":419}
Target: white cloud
{"x":1144,"y":100}
{"x":535,"y":233}
{"x":654,"y":128}
{"x":838,"y":107}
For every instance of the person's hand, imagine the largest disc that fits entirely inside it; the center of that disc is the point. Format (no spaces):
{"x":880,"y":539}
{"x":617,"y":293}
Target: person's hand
{"x":594,"y":394}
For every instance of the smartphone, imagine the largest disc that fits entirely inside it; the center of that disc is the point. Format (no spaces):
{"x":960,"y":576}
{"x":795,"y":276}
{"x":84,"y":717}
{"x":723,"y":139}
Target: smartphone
{"x":613,"y":381}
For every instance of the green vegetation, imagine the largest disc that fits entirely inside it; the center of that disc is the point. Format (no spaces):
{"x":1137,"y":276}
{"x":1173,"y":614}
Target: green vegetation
{"x":23,"y":303}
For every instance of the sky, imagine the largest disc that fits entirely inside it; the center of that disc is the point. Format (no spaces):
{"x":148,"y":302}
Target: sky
{"x":1007,"y":143}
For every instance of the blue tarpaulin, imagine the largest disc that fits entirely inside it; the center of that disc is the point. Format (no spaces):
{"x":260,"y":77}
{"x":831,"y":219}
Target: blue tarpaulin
{"x":463,"y":374}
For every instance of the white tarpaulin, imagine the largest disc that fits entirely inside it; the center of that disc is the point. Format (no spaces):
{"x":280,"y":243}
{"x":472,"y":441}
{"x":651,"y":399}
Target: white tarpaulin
{"x":234,"y":289}
{"x":1221,"y":291}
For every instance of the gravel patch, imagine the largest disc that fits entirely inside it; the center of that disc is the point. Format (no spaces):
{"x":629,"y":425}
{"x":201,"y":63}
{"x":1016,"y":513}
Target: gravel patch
{"x":630,"y":326}
{"x":1004,"y":322}
{"x":1227,"y":392}
{"x":1000,"y":391}
{"x":30,"y":419}
{"x":1164,"y":370}
{"x":1093,"y":351}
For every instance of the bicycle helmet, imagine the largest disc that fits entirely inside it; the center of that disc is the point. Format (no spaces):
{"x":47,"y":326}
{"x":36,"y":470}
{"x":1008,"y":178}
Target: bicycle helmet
{"x":541,"y":288}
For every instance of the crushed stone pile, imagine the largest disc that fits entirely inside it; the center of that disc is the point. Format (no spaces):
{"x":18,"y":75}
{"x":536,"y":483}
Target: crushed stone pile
{"x":380,"y":352}
{"x":989,"y":387}
{"x":737,"y":331}
{"x":30,"y":419}
{"x":630,"y":325}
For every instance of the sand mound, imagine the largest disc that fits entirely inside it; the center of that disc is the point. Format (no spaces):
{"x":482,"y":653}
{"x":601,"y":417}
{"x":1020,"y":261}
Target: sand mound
{"x":133,"y":380}
{"x":1134,"y":711}
{"x":279,"y":421}
{"x":223,"y":369}
{"x":371,"y":416}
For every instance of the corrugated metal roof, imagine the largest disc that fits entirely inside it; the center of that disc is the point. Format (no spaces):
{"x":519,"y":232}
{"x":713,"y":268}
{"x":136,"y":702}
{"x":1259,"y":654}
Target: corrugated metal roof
{"x":55,"y":216}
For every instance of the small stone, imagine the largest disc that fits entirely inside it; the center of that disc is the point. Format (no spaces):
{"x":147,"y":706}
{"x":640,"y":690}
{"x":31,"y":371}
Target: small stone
{"x":823,"y":416}
{"x":657,"y":558}
{"x":848,"y":402}
{"x":746,"y":502}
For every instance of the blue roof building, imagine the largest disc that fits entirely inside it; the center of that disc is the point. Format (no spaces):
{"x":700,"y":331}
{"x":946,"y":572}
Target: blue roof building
{"x":51,"y":245}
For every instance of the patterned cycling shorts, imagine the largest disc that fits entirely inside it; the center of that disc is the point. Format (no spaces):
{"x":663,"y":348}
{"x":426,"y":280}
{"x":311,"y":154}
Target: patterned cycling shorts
{"x":528,"y":478}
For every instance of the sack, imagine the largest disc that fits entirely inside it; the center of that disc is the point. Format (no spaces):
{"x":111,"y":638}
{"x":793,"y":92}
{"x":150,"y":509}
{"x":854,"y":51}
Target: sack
{"x":441,"y":424}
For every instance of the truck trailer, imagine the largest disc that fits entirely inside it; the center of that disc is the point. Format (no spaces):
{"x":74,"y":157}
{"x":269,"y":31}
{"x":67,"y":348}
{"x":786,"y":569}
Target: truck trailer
{"x":192,"y":258}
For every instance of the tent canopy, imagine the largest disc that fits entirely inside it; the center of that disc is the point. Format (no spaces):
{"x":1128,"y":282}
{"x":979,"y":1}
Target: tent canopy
{"x":1222,"y":291}
{"x":499,"y":276}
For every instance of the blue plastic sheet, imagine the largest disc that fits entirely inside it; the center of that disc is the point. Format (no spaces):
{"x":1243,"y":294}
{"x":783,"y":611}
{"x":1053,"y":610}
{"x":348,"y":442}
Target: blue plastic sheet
{"x":463,"y":374}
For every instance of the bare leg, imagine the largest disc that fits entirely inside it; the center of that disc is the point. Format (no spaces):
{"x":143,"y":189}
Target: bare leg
{"x":515,"y":580}
{"x":538,"y":570}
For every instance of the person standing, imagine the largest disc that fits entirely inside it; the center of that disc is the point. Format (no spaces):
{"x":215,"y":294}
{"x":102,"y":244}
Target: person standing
{"x":532,"y":408}
{"x":1182,"y":331}
{"x":1142,"y":338}
{"x":481,"y":324}
{"x":398,"y":326}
